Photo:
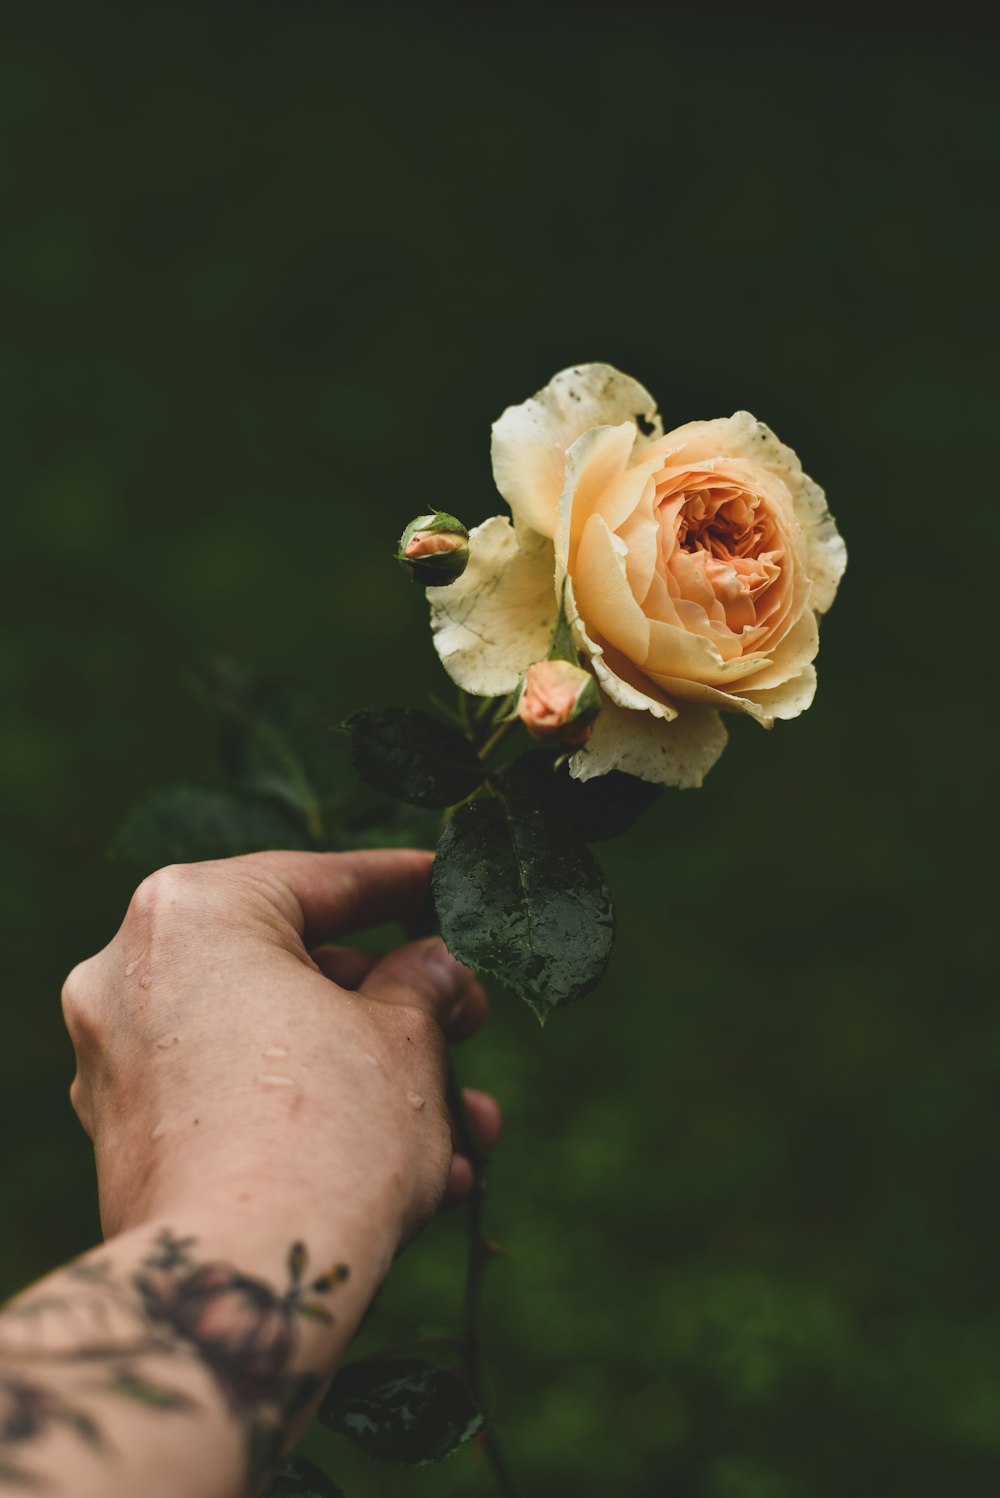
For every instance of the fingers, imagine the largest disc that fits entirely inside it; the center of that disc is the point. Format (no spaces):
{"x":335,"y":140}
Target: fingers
{"x":347,"y":966}
{"x":350,"y":966}
{"x":486,"y":1121}
{"x":344,"y":892}
{"x":424,"y":975}
{"x":485,"y":1117}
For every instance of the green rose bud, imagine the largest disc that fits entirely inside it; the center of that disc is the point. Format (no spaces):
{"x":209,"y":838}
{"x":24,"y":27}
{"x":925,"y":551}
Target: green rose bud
{"x":434,"y":549}
{"x":558,"y":701}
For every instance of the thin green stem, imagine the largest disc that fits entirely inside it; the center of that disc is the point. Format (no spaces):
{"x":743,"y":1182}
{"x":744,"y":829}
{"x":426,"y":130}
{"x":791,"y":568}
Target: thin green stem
{"x":497,"y":738}
{"x":479,"y":1252}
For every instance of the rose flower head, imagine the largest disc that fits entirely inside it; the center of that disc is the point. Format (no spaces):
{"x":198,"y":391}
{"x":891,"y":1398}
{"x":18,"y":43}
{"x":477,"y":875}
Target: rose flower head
{"x":692,"y":567}
{"x":434,"y":549}
{"x":558,"y":701}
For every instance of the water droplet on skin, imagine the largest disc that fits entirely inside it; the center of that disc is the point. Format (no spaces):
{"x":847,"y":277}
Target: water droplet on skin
{"x":275,"y":1051}
{"x":166,"y":1041}
{"x":274,"y":1079}
{"x":157,"y":1133}
{"x":414,"y":1099}
{"x":131,"y":968}
{"x":145,"y":980}
{"x":372,"y":1059}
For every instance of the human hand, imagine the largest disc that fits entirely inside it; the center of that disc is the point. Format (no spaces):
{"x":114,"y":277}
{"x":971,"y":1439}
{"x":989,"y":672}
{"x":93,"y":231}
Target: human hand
{"x":227,"y":1060}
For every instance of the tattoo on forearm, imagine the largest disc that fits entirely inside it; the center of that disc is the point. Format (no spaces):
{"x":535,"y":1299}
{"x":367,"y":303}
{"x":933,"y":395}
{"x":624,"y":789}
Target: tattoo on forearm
{"x":117,"y":1331}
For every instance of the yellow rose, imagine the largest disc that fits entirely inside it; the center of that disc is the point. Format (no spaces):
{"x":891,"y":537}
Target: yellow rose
{"x":692,"y":567}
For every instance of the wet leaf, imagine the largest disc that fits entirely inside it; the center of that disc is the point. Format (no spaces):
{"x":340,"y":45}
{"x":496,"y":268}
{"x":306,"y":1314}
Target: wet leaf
{"x":519,"y":896}
{"x":401,"y":1410}
{"x":405,"y":753}
{"x":597,"y":809}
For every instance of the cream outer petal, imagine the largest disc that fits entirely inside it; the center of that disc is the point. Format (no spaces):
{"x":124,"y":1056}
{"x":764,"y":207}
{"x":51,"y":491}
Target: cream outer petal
{"x":824,"y":544}
{"x":680,"y":753}
{"x":788,"y":699}
{"x":530,"y":440}
{"x":497,"y":619}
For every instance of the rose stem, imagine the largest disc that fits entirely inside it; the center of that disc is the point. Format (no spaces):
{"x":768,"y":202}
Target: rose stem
{"x":479,"y":1253}
{"x":496,"y":739}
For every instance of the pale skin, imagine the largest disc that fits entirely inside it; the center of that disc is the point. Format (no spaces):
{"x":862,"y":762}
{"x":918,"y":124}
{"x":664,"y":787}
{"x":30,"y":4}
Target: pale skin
{"x":270,"y":1128}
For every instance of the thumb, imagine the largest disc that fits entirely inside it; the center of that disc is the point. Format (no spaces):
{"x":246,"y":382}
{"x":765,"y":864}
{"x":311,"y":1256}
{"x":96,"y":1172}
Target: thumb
{"x":424,"y":975}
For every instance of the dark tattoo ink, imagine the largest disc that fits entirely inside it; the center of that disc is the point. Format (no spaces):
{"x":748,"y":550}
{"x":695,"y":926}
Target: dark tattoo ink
{"x":238,"y":1327}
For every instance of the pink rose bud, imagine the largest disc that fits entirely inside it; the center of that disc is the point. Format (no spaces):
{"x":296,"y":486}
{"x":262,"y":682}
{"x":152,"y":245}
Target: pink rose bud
{"x":434,"y":549}
{"x":558,"y":701}
{"x":430,"y":543}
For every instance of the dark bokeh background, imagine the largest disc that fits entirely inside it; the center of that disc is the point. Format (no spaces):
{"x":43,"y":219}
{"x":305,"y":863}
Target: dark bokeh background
{"x":269,"y":274}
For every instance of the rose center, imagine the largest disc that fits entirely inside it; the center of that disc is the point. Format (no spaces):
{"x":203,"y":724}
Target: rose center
{"x":723,"y":554}
{"x":724,"y":524}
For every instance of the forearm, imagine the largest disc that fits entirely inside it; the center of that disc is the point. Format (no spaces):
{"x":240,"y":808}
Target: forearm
{"x":185,"y":1355}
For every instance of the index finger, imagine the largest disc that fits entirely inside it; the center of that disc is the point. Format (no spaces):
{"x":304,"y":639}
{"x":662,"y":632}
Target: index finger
{"x":340,"y":893}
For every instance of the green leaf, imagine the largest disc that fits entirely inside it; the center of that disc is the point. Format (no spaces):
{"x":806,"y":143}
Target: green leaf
{"x":401,"y":1409}
{"x":385,"y":824}
{"x":597,"y":809}
{"x":562,"y":646}
{"x":182,"y":824}
{"x":276,"y":743}
{"x":297,"y":1260}
{"x":301,"y":1478}
{"x":518,"y":895}
{"x":405,"y":753}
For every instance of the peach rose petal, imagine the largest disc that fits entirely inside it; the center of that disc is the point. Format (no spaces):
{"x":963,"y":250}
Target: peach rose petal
{"x":796,"y":651}
{"x":497,"y":619}
{"x":680,"y":753}
{"x":602,"y":592}
{"x":686,"y":653}
{"x":683,"y":691}
{"x":530,"y":441}
{"x":618,"y":677}
{"x":742,"y":435}
{"x":765,"y":706}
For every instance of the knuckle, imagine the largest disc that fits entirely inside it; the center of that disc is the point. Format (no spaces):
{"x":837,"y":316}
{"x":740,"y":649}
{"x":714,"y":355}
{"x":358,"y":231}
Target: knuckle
{"x":80,"y":1103}
{"x":174,"y":883}
{"x":80,"y":1006}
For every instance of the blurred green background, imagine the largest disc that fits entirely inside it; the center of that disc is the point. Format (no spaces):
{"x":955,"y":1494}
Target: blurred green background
{"x":269,"y":273}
